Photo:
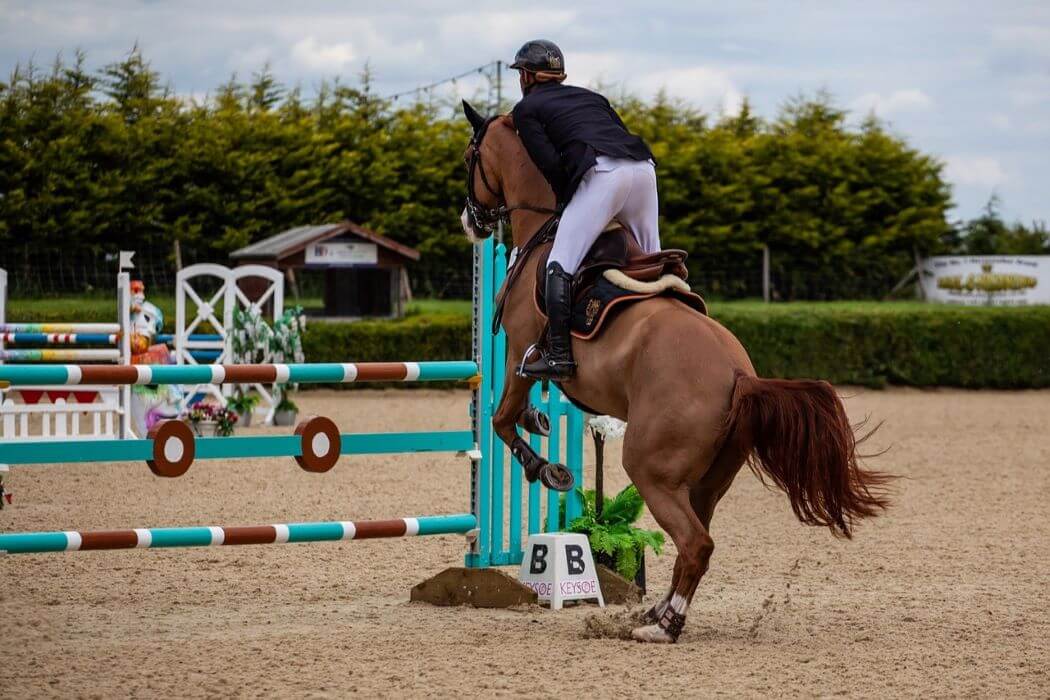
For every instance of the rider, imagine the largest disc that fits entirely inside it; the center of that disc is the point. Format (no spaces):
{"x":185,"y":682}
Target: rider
{"x":598,"y":170}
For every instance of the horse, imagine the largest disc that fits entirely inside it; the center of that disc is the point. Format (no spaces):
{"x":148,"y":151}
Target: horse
{"x":696,"y":410}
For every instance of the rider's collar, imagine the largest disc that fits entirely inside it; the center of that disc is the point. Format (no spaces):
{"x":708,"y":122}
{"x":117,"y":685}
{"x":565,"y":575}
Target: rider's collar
{"x":537,"y":86}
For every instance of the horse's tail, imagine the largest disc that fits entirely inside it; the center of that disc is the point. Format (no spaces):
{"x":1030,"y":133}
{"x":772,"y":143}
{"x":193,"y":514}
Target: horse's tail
{"x":797,"y":434}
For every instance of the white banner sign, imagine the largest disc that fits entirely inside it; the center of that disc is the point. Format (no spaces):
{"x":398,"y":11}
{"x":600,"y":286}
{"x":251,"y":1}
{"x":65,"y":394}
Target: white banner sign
{"x":1000,"y":280}
{"x":342,"y":253}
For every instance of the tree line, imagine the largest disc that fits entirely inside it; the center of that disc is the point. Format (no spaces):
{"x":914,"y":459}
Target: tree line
{"x":96,"y":161}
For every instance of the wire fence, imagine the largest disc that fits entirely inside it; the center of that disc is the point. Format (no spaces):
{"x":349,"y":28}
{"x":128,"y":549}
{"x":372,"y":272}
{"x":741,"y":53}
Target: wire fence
{"x":33,"y":276}
{"x":740,"y":278}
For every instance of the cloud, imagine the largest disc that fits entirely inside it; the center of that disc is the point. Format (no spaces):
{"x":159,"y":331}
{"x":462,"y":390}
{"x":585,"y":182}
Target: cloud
{"x":1028,"y":97}
{"x":312,"y":54}
{"x":250,"y":58}
{"x":735,"y":48}
{"x":705,"y":87}
{"x":594,"y":67}
{"x":1034,"y":38}
{"x":1000,"y":121}
{"x":975,"y":170}
{"x":900,"y":101}
{"x":503,"y":31}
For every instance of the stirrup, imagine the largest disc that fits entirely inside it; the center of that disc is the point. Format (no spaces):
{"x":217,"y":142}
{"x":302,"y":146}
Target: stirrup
{"x":525,"y":358}
{"x":549,"y":371}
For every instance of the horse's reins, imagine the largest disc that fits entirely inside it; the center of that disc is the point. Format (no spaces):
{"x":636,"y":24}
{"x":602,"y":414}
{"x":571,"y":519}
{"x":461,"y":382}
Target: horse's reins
{"x":545,"y":234}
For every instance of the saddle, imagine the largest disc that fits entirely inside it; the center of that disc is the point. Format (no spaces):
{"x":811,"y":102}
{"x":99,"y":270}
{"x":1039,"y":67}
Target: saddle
{"x":616,"y":273}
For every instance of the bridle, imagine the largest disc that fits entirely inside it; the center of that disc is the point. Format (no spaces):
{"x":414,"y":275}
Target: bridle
{"x":483,"y":218}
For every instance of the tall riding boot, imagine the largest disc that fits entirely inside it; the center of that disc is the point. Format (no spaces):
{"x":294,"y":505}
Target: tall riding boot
{"x":555,"y":361}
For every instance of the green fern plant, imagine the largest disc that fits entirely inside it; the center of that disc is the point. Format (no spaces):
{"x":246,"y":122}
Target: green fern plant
{"x":613,"y":532}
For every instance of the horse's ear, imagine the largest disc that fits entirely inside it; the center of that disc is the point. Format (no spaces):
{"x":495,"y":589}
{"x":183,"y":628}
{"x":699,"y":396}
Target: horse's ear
{"x":475,"y":119}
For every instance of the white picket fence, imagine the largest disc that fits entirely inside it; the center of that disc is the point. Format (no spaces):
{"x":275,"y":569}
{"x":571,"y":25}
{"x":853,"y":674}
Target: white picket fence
{"x":61,"y":419}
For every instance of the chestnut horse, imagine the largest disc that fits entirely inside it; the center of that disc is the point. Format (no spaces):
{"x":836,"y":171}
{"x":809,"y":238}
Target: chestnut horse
{"x":695,"y":409}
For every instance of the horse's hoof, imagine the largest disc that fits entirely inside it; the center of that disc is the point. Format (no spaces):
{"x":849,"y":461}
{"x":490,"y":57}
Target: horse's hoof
{"x":652,"y":634}
{"x":535,"y":422}
{"x":556,"y":477}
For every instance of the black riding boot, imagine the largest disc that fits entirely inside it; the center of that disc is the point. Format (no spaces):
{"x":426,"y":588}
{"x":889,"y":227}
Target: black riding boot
{"x":555,"y":361}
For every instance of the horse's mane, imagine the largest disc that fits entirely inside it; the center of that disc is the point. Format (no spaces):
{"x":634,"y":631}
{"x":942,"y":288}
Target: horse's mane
{"x":533,"y":176}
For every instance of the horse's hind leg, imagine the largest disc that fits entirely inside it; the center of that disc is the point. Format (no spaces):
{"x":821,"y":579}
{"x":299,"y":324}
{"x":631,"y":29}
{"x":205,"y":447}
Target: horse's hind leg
{"x":704,"y":496}
{"x":664,"y":474}
{"x":703,"y":501}
{"x":674,"y":512}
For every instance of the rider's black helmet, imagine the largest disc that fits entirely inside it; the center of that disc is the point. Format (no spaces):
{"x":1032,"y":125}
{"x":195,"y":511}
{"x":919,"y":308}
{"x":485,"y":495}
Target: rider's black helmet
{"x":539,"y":56}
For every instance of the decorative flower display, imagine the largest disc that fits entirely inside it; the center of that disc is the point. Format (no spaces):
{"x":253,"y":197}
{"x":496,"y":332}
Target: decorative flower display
{"x":224,"y":418}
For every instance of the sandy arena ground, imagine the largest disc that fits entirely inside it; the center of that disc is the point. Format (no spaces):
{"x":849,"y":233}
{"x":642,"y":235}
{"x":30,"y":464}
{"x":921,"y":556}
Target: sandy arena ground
{"x":947,"y":595}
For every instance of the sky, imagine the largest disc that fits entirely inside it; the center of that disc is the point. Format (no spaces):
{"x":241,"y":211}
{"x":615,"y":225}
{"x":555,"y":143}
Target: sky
{"x":966,"y":82}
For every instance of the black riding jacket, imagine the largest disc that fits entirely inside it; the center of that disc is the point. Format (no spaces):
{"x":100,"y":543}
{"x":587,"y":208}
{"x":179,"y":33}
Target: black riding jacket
{"x":565,"y":128}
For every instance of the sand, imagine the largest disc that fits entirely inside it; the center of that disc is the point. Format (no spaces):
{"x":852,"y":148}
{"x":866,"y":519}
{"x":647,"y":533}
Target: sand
{"x":946,"y":595}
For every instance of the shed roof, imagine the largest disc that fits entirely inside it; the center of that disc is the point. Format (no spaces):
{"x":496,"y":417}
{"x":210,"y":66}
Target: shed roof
{"x":296,"y":240}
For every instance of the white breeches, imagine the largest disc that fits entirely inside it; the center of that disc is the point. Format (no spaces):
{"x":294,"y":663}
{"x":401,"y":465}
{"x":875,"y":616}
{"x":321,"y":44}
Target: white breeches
{"x":614,"y":188}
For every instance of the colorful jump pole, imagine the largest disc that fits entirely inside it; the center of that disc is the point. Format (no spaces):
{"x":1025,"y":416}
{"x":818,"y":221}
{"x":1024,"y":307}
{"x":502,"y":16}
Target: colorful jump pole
{"x":215,"y":536}
{"x":43,"y":355}
{"x":324,"y":373}
{"x":108,"y":328}
{"x":171,"y":447}
{"x":169,"y":338}
{"x":60,"y":338}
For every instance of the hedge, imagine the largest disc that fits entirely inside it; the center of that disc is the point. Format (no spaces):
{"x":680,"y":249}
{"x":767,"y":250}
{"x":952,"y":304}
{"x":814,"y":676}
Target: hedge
{"x":413,"y":339}
{"x":1006,"y":348}
{"x":868,"y":344}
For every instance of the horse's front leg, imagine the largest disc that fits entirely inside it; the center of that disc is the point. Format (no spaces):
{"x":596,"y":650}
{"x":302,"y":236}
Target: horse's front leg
{"x":514,"y":410}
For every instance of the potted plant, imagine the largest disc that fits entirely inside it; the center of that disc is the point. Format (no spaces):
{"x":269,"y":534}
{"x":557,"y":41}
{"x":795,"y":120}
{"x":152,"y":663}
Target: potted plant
{"x":614,"y":539}
{"x":286,"y":411}
{"x":209,"y":420}
{"x":243,"y":404}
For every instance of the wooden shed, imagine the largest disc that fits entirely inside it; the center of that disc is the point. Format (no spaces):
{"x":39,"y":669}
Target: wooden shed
{"x":364,"y":273}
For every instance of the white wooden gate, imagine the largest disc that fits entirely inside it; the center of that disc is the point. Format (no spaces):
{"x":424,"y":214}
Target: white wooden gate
{"x":216,"y":310}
